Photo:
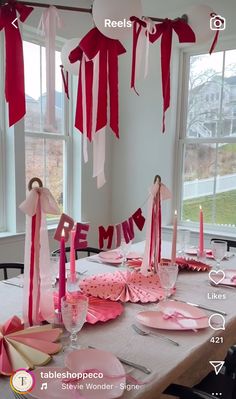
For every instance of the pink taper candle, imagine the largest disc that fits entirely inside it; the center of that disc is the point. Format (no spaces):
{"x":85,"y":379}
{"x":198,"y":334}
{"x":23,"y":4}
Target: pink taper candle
{"x":72,"y":252}
{"x":62,"y":270}
{"x":174,"y":239}
{"x":201,"y":234}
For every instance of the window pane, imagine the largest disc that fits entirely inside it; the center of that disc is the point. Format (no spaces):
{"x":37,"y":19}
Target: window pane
{"x":210,"y":181}
{"x":204,"y":99}
{"x":35,"y":87}
{"x":44,"y":159}
{"x":229,"y":99}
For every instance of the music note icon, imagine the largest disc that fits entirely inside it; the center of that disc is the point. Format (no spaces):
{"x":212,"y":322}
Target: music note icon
{"x":44,"y":386}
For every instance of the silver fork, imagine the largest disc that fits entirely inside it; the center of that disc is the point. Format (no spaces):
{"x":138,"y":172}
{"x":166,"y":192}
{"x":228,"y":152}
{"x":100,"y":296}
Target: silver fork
{"x":156,"y":334}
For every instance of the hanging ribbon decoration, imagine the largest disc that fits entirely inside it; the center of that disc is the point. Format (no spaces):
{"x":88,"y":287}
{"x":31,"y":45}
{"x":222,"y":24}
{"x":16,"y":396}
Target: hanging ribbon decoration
{"x":165,"y":31}
{"x":49,"y":22}
{"x":14,"y":75}
{"x":98,"y":75}
{"x":65,"y":80}
{"x":142,"y":28}
{"x":38,"y":299}
{"x":220,"y":22}
{"x":152,"y":252}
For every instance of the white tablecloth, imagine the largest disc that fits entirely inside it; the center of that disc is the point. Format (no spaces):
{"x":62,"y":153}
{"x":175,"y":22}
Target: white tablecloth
{"x":186,"y":364}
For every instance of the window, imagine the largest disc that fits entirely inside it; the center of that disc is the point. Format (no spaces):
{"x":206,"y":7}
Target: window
{"x":208,"y":141}
{"x":45,"y":152}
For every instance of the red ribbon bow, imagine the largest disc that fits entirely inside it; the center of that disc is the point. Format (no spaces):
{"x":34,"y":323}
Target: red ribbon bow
{"x":108,"y":49}
{"x":165,"y":31}
{"x":14,"y":79}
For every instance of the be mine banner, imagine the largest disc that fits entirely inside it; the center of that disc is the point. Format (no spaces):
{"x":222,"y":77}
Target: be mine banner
{"x":106,"y":236}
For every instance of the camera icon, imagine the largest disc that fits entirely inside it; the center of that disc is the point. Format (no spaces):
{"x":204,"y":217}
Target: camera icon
{"x":217,"y":22}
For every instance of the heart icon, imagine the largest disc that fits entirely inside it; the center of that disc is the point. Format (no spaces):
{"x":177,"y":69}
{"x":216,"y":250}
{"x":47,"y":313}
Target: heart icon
{"x":217,"y":276}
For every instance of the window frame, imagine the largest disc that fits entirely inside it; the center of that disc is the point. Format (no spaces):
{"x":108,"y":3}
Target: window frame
{"x":65,"y":137}
{"x":12,"y":163}
{"x":182,"y":139}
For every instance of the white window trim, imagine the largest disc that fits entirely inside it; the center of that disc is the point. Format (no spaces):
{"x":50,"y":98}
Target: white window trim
{"x":224,"y":45}
{"x":11,"y":193}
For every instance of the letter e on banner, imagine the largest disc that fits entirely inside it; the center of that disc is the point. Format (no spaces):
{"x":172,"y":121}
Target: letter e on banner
{"x":105,"y":235}
{"x":81,"y":233}
{"x":66,"y":223}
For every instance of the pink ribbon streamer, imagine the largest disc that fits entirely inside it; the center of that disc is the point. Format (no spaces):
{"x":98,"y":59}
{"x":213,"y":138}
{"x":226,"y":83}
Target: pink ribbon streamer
{"x":176,"y":317}
{"x":38,"y":297}
{"x":152,"y":252}
{"x":49,"y":22}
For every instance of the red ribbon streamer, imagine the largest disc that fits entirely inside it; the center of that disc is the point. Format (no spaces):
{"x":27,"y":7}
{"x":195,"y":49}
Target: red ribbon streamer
{"x":32,"y":257}
{"x":65,"y":79}
{"x":108,"y":49}
{"x":216,"y":37}
{"x":165,"y":30}
{"x":14,"y":77}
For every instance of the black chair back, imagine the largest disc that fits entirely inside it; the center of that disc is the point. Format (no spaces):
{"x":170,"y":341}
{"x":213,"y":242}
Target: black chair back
{"x":11,"y":266}
{"x":88,"y":250}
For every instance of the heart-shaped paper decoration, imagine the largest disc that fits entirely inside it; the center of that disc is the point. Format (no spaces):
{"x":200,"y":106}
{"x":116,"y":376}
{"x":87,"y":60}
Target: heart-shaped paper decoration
{"x":217,"y":276}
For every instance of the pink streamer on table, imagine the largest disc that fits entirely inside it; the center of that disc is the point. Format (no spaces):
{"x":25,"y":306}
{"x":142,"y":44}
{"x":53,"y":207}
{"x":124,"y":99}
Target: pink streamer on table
{"x":38,"y":296}
{"x":152,"y":252}
{"x":49,"y":22}
{"x":176,"y":317}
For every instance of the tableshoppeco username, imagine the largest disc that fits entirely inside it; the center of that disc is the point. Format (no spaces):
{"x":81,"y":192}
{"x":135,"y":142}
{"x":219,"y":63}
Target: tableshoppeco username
{"x":67,"y":375}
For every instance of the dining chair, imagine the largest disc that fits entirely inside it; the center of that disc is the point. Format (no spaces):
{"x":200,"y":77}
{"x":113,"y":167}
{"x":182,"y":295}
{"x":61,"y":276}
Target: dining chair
{"x":11,"y":266}
{"x":87,"y":250}
{"x":184,"y":392}
{"x":230,"y":243}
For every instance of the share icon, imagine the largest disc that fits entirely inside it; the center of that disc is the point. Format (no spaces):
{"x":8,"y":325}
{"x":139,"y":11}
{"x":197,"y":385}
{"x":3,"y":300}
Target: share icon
{"x":217,"y":365}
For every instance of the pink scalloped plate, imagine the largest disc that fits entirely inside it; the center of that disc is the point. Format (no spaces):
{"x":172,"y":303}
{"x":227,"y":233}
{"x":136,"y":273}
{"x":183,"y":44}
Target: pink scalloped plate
{"x":110,"y":255}
{"x":193,"y":252}
{"x":173,"y":315}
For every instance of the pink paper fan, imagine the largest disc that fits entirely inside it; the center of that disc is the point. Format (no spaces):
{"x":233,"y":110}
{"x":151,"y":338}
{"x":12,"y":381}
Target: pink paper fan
{"x":22,"y":347}
{"x":124,"y":286}
{"x":98,"y":309}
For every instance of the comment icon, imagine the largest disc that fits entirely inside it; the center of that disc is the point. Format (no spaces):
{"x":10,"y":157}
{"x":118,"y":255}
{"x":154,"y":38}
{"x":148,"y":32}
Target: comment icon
{"x":217,"y":322}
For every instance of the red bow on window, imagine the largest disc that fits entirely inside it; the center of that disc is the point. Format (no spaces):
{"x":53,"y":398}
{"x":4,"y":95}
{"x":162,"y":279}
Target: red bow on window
{"x":165,"y":31}
{"x":14,"y":76}
{"x":95,"y":43}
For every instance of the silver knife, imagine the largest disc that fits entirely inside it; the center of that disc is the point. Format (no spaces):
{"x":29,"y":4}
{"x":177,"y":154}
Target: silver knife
{"x":128,"y":363}
{"x":201,"y":307}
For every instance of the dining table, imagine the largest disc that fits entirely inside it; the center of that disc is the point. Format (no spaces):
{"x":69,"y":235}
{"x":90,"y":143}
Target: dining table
{"x":185,"y":364}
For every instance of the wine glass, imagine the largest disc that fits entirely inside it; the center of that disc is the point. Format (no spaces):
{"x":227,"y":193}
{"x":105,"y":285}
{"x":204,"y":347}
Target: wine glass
{"x":124,"y":250}
{"x":219,"y":249}
{"x":167,"y":273}
{"x":74,"y":309}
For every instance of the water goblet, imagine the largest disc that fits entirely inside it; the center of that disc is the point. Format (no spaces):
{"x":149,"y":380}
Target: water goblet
{"x":124,"y":250}
{"x":74,"y":309}
{"x":219,"y":249}
{"x":167,"y":273}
